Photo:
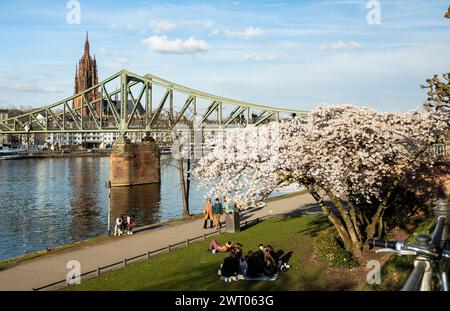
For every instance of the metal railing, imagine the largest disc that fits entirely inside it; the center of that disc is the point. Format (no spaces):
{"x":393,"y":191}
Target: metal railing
{"x":145,"y":256}
{"x":431,"y":253}
{"x":420,"y":277}
{"x":441,"y":151}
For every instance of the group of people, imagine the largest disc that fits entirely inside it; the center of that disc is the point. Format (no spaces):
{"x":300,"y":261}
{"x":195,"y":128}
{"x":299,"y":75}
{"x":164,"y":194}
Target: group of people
{"x":263,"y":262}
{"x":124,"y":225}
{"x":213,"y":212}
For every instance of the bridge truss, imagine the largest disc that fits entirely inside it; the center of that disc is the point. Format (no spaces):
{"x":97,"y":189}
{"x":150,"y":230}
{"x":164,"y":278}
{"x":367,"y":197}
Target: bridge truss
{"x":126,"y":102}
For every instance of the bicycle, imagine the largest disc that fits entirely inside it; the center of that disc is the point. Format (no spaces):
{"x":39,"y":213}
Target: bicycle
{"x":432,"y":253}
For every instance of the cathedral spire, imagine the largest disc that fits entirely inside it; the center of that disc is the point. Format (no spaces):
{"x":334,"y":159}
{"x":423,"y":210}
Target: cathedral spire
{"x":86,"y":44}
{"x":86,"y":76}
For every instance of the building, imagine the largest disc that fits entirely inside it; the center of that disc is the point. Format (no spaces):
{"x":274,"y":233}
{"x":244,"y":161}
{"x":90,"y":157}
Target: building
{"x":86,"y":76}
{"x":85,"y":140}
{"x":4,"y":138}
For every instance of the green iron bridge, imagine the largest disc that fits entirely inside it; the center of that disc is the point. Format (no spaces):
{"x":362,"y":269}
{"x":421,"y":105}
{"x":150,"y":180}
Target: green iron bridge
{"x":126,"y":102}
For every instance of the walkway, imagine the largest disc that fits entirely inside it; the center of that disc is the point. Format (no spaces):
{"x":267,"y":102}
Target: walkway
{"x":52,"y":267}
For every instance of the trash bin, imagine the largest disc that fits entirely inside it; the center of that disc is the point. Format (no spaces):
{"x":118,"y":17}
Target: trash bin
{"x":233,"y":221}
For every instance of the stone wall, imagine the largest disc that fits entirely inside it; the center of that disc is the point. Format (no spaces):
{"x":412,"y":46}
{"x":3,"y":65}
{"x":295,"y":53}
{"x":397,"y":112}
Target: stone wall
{"x":134,"y":164}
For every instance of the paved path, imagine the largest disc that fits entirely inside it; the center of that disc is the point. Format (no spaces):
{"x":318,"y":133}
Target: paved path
{"x":52,"y":267}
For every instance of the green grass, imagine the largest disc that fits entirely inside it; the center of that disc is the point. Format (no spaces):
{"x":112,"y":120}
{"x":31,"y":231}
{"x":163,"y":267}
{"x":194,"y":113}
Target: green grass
{"x":193,"y":268}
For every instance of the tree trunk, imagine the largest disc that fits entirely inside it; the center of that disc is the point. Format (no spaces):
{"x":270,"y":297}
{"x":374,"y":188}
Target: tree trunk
{"x":371,"y":227}
{"x":184,"y":194}
{"x":188,"y":179}
{"x":341,"y":229}
{"x":351,"y":227}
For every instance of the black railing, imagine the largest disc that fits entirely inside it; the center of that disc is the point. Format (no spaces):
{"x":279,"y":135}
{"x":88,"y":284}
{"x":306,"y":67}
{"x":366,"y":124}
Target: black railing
{"x":145,"y":256}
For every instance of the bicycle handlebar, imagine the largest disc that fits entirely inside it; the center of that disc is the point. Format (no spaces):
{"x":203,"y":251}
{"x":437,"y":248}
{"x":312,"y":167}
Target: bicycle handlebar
{"x":382,"y":243}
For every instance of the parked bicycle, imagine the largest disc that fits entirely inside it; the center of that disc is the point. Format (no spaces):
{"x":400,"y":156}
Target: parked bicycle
{"x":432,"y":261}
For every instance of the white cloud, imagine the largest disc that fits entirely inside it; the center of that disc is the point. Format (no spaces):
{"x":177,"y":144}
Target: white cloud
{"x":341,"y":45}
{"x":105,"y":52}
{"x":161,"y":44}
{"x":247,"y":33}
{"x":24,"y":87}
{"x":259,"y":57}
{"x":288,"y":44}
{"x":122,"y":60}
{"x":162,"y":26}
{"x":193,"y":23}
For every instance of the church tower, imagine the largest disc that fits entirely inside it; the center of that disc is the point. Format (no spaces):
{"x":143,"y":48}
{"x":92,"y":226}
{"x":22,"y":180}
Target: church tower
{"x":86,"y":76}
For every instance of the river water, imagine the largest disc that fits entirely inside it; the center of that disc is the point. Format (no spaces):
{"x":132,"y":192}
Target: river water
{"x":45,"y":203}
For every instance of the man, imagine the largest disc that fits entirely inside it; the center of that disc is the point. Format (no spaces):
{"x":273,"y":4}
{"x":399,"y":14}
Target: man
{"x":208,"y":214}
{"x":217,"y":212}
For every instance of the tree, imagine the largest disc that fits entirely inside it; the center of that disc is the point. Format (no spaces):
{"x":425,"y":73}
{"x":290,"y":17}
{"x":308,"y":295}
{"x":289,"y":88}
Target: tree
{"x":439,"y":92}
{"x":357,"y":158}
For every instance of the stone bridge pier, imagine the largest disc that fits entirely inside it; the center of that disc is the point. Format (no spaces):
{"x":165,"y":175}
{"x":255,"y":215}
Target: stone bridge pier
{"x":134,"y":163}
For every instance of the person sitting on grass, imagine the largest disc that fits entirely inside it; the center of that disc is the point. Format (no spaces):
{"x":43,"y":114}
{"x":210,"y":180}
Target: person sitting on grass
{"x":243,"y":265}
{"x":237,"y":250}
{"x":255,"y":265}
{"x":215,"y":247}
{"x":230,"y":266}
{"x":270,"y":264}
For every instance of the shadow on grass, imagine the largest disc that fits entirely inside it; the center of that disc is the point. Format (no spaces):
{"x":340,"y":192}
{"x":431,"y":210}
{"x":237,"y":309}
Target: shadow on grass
{"x":251,"y":212}
{"x":315,"y":227}
{"x":285,"y":257}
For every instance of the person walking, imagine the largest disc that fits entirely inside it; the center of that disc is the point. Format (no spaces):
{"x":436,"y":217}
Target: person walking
{"x":208,"y":210}
{"x":217,"y":212}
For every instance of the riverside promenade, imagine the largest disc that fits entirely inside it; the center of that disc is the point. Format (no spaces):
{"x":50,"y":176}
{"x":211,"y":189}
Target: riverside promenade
{"x":50,"y":268}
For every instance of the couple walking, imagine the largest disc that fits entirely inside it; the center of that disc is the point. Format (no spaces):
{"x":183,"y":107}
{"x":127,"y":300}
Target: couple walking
{"x":213,"y":213}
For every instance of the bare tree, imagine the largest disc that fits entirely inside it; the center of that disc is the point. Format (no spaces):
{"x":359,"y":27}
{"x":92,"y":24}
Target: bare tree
{"x":439,"y":92}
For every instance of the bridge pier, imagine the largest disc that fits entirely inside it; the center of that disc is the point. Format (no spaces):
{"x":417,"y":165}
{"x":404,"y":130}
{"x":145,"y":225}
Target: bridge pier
{"x":134,"y":163}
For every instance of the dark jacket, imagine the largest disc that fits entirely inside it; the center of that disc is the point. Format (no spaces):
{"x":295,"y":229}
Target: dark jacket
{"x":230,"y":266}
{"x":255,"y":266}
{"x":217,"y":208}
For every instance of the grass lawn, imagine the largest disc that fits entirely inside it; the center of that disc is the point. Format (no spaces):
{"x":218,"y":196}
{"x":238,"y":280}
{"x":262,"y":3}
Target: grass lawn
{"x":193,"y":268}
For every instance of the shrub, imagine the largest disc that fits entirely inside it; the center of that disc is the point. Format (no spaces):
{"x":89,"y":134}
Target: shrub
{"x":329,"y":250}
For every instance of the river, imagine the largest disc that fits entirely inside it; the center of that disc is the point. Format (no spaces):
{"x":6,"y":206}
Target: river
{"x":46,"y":203}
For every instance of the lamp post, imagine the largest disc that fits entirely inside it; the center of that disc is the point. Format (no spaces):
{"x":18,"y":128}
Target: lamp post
{"x":109,"y":208}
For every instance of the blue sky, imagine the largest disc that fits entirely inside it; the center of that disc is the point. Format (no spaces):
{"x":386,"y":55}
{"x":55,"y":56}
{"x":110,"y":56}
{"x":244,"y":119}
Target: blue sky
{"x":294,"y":54}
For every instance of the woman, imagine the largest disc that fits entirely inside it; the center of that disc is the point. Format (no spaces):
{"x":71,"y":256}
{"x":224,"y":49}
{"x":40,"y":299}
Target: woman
{"x":118,"y":227}
{"x":215,"y":247}
{"x":208,"y":210}
{"x":217,"y":212}
{"x":270,"y":264}
{"x":130,"y":224}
